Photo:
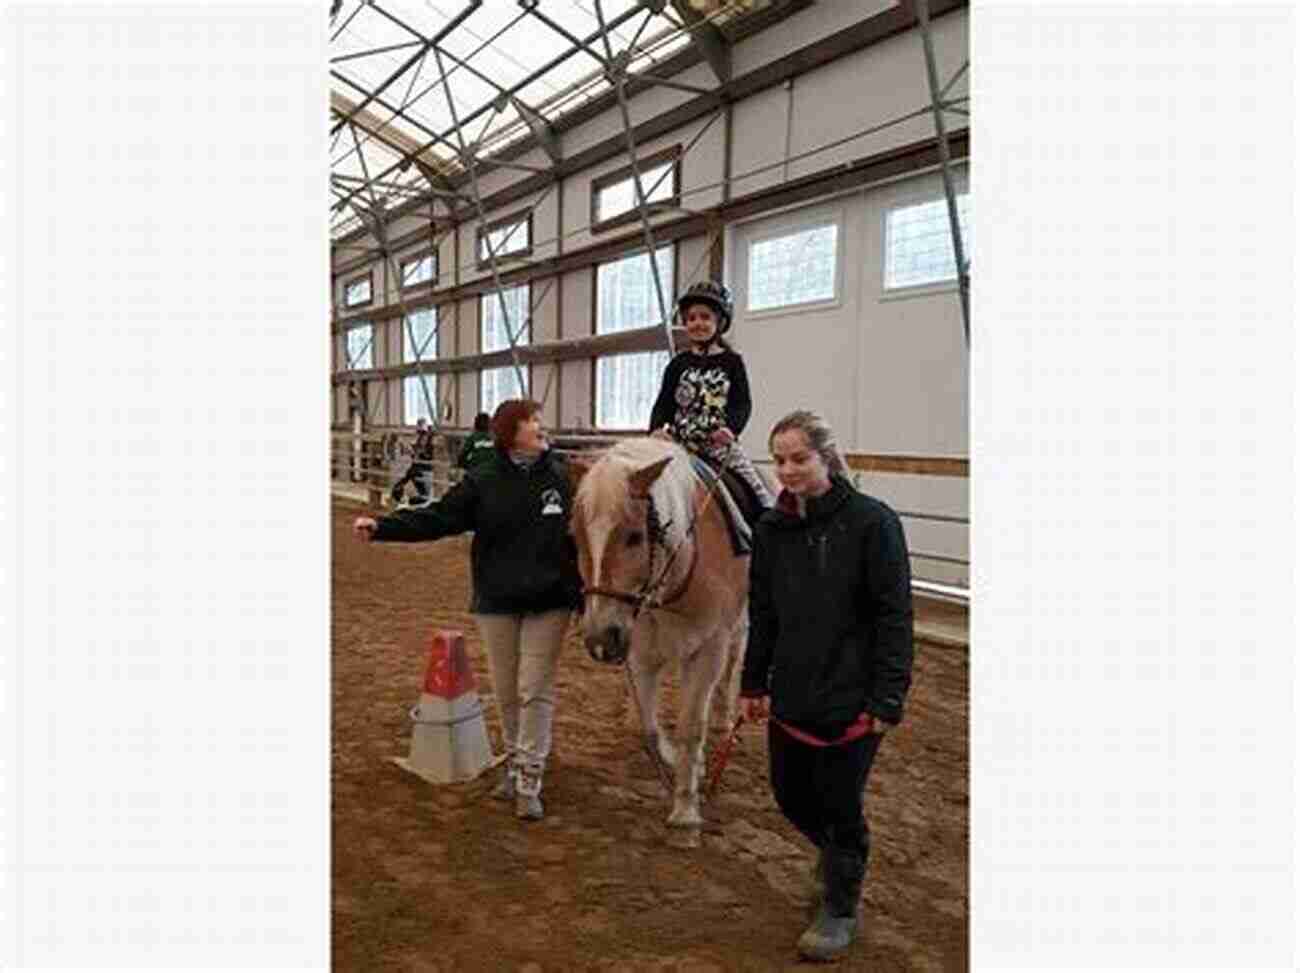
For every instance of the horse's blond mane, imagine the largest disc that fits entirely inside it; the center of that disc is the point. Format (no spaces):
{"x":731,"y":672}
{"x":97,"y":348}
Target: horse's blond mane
{"x":604,"y":488}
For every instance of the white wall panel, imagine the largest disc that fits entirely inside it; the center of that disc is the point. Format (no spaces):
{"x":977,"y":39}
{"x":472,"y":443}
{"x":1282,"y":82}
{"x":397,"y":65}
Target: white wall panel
{"x":804,"y":28}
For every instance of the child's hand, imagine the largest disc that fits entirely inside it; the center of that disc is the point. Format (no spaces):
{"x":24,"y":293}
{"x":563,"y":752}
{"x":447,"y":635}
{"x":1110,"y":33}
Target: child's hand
{"x":722,"y":437}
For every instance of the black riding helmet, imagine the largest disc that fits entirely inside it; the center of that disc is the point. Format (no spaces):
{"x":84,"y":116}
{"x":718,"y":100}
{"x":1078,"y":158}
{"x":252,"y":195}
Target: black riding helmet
{"x":715,"y":295}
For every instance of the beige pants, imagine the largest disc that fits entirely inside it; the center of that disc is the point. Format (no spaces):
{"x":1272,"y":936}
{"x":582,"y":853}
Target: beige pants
{"x":522,"y":652}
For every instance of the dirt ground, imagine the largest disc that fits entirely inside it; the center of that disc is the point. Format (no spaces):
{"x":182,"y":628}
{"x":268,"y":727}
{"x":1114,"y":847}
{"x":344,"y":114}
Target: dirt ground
{"x":441,"y":878}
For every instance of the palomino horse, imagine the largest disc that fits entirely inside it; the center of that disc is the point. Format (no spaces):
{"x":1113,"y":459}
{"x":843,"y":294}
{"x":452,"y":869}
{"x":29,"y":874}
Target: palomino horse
{"x":662,"y":583}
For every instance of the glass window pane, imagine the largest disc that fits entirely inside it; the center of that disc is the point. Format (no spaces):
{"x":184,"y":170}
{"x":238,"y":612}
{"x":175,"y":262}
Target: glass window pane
{"x":657,"y":183}
{"x":793,"y":269}
{"x":918,"y":243}
{"x":498,"y":384}
{"x":415,"y":405}
{"x":360,"y":344}
{"x":418,"y":336}
{"x":625,"y":292}
{"x":418,"y":271}
{"x":358,"y":292}
{"x":504,"y":240}
{"x":517,"y":310}
{"x":626,"y":386}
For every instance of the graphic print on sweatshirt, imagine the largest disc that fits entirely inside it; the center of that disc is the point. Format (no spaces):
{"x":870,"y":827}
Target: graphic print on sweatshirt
{"x":701,"y":398}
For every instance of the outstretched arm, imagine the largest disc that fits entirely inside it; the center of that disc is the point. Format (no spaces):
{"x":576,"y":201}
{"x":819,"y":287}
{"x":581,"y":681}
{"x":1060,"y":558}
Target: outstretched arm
{"x":455,"y":513}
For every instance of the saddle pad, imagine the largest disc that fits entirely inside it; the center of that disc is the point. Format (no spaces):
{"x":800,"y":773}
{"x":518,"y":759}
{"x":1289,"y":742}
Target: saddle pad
{"x":741,"y":537}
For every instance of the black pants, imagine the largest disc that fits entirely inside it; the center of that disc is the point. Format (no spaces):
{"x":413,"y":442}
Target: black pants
{"x":819,"y":790}
{"x":419,"y":474}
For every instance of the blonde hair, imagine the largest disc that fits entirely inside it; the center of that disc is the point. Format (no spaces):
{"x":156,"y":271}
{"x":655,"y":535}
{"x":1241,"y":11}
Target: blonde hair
{"x":819,"y":434}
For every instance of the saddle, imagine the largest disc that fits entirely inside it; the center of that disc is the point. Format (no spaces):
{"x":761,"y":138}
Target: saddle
{"x":741,"y":508}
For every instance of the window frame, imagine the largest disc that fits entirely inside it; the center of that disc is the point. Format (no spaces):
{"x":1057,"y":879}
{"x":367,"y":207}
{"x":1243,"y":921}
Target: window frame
{"x":598,"y":185}
{"x":627,"y":255}
{"x":806,"y":222}
{"x":347,"y":357}
{"x":595,"y":389}
{"x":491,"y":295}
{"x":430,"y":375}
{"x":784,"y":224}
{"x":416,"y":258}
{"x":524,"y":216}
{"x":369,"y":278}
{"x":944,"y":286}
{"x":433,"y":338}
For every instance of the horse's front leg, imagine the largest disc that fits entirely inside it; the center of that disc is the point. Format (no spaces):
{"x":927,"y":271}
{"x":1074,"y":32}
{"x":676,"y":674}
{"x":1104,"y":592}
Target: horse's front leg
{"x":700,"y":672}
{"x":645,"y":664}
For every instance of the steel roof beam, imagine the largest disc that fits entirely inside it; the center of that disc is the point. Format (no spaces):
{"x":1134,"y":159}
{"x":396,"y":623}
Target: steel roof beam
{"x":707,"y":39}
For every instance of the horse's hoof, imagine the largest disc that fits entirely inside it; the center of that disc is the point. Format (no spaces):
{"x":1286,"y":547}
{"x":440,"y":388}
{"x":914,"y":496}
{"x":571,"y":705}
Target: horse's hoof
{"x":684,"y":837}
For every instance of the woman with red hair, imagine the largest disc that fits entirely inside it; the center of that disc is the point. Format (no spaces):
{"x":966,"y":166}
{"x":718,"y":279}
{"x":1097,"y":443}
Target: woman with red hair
{"x":526,"y":583}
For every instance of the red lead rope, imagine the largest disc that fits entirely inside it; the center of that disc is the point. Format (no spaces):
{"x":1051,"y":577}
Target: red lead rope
{"x":722,"y":756}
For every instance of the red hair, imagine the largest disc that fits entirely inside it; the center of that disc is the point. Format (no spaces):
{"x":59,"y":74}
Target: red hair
{"x":506,"y":420}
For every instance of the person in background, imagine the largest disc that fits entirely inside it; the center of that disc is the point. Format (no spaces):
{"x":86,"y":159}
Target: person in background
{"x":420,"y":472}
{"x":703,"y":400}
{"x":829,"y":658}
{"x":526,"y":584}
{"x":478,"y":444}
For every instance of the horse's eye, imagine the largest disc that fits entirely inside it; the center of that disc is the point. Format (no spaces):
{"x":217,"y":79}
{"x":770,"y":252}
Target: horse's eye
{"x":634,"y":538}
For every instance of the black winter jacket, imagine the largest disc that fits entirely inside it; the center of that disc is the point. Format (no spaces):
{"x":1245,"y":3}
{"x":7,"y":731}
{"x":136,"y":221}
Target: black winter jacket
{"x":523,"y":560}
{"x":830,"y":612}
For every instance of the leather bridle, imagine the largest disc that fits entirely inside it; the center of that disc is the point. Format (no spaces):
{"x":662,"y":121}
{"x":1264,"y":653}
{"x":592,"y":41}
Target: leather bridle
{"x":646,"y":599}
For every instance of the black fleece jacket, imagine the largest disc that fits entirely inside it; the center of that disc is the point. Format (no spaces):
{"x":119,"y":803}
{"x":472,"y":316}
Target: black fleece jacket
{"x":830,"y":612}
{"x":522,"y":558}
{"x":702,"y":393}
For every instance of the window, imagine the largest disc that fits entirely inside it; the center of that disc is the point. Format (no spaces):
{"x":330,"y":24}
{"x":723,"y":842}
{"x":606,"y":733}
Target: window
{"x":419,"y":270}
{"x":419,"y":336}
{"x":499,"y":384}
{"x":493,"y":335}
{"x":918,"y":243}
{"x":508,"y":237}
{"x":360,"y":345}
{"x":415,"y":405}
{"x":626,"y":385}
{"x":357,"y":292}
{"x":613,"y":197}
{"x":795,"y":268}
{"x":625,"y":292}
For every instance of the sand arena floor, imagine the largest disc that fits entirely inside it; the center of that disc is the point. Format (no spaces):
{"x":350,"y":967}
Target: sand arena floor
{"x":443,"y":879}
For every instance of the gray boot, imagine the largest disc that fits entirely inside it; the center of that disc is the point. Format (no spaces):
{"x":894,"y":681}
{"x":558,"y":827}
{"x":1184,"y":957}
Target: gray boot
{"x":528,"y":800}
{"x":835,"y":927}
{"x":505,"y":789}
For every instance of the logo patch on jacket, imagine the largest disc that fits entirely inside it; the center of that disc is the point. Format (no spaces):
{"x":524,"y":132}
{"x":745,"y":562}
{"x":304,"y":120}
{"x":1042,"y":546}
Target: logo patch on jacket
{"x":551,"y":502}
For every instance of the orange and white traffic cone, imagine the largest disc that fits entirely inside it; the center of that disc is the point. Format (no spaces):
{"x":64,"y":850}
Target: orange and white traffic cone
{"x":449,"y":740}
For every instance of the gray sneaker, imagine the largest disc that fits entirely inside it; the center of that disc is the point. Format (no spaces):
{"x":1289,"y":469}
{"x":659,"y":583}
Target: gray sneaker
{"x":828,"y":937}
{"x":528,"y":800}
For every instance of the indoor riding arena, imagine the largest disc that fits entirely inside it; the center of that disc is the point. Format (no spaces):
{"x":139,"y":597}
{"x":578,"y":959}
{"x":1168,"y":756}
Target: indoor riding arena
{"x":521,"y":190}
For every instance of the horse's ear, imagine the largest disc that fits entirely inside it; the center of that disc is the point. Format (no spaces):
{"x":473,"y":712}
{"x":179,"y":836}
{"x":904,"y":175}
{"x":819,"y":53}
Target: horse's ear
{"x":641,"y":480}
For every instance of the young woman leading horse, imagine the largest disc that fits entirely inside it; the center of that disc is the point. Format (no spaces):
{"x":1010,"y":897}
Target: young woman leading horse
{"x":662,"y":584}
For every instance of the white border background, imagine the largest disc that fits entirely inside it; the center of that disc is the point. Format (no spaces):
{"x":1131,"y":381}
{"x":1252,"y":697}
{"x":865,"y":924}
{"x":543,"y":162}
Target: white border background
{"x":164,"y":716}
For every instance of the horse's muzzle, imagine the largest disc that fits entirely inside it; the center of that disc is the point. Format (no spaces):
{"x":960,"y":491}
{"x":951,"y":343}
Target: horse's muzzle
{"x":609,"y":645}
